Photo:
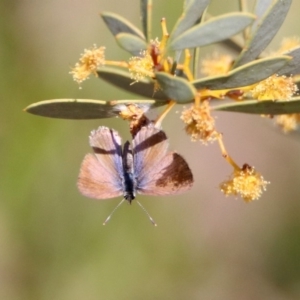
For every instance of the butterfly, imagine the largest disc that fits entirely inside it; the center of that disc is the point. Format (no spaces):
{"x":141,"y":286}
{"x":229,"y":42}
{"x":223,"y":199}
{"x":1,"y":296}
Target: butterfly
{"x":145,"y":166}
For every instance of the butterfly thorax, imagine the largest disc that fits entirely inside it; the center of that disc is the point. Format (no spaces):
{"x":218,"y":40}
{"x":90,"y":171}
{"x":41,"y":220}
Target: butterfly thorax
{"x":129,"y":181}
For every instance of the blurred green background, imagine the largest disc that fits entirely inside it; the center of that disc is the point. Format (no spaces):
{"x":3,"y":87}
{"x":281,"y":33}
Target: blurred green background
{"x":206,"y":246}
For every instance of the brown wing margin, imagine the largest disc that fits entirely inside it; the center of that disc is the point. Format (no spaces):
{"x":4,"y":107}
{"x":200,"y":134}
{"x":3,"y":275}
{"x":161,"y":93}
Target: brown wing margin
{"x":172,"y":176}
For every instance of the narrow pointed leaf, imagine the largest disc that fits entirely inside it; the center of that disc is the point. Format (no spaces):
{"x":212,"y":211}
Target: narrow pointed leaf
{"x":293,"y":66}
{"x":214,"y":30}
{"x":79,"y":109}
{"x":263,"y":107}
{"x":146,"y":6}
{"x":261,"y":7}
{"x":265,"y":31}
{"x":191,"y":14}
{"x":234,"y":44}
{"x":85,"y":109}
{"x":117,"y":24}
{"x":245,"y":75}
{"x":123,"y":80}
{"x":146,"y":104}
{"x":131,"y":43}
{"x":176,"y":88}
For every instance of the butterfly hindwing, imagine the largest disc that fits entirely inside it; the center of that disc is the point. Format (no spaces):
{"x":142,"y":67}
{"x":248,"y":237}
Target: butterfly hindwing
{"x":172,"y":176}
{"x":158,"y":172}
{"x":100,"y":175}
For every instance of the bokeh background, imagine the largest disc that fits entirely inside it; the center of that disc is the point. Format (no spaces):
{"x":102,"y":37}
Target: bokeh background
{"x":206,"y":246}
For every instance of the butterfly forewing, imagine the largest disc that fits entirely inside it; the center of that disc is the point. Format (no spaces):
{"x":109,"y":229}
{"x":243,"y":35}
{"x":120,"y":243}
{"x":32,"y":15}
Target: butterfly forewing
{"x":107,"y":145}
{"x":150,"y":145}
{"x":100,"y":175}
{"x":158,"y":172}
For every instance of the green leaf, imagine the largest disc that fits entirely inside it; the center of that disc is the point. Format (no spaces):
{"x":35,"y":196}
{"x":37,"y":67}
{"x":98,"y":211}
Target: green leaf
{"x":191,"y":14}
{"x":214,"y":30}
{"x":233,"y":44}
{"x":79,"y":109}
{"x":146,"y":7}
{"x":146,"y":104}
{"x":293,"y":66}
{"x":245,"y":75}
{"x":265,"y":31}
{"x":131,"y":43}
{"x":85,"y":109}
{"x":123,"y":80}
{"x":262,"y":107}
{"x":177,"y":89}
{"x":117,"y":24}
{"x":261,"y":7}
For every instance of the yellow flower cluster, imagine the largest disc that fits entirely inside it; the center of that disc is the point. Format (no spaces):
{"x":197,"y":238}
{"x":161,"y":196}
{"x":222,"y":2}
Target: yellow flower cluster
{"x":288,"y":122}
{"x":288,"y":44}
{"x":135,"y":115}
{"x":217,"y":64}
{"x":275,"y":88}
{"x":200,"y":125}
{"x":141,"y":66}
{"x":88,"y":63}
{"x":245,"y":182}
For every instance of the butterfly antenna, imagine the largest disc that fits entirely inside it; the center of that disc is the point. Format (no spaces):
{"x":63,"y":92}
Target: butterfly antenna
{"x":144,"y":209}
{"x":108,"y":218}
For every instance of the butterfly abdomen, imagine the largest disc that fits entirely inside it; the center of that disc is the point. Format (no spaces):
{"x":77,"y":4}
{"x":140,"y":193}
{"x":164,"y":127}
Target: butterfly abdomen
{"x":129,"y":181}
{"x":129,"y":186}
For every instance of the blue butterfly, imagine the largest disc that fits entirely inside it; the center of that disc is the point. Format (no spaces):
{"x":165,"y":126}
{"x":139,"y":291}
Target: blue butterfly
{"x":145,"y":166}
